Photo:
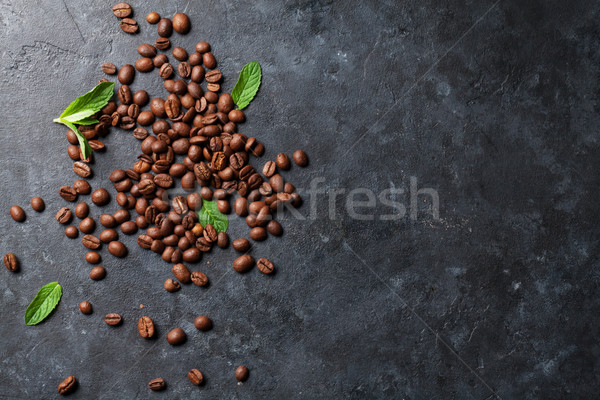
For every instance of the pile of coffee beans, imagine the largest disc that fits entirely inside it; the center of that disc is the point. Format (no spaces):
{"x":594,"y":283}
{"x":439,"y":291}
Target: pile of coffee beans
{"x":191,"y":144}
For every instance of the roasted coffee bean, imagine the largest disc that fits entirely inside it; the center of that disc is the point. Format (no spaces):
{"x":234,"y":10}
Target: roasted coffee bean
{"x":74,"y":153}
{"x":91,"y":242}
{"x":92,"y":257}
{"x":157,"y":384}
{"x":202,"y":47}
{"x":197,"y":75}
{"x":180,"y":205}
{"x":209,"y":60}
{"x":241,"y":373}
{"x":161,"y":44}
{"x":109,"y":235}
{"x":222,"y":240}
{"x":82,"y":187}
{"x":98,"y":273}
{"x":67,"y":193}
{"x":67,"y":386}
{"x":300,"y":158}
{"x":165,"y":27}
{"x":144,"y":241}
{"x":203,"y":323}
{"x":184,"y":70}
{"x":109,"y":68}
{"x":265,"y":189}
{"x":140,"y":221}
{"x":124,"y":94}
{"x":251,"y":220}
{"x":274,"y":228}
{"x":71,"y":232}
{"x":264,"y":265}
{"x":181,"y":273}
{"x":122,"y":10}
{"x":225,"y":103}
{"x":243,"y":263}
{"x":180,"y":54}
{"x":100,"y":197}
{"x":153,"y":18}
{"x":195,"y":376}
{"x":163,"y":180}
{"x":113,"y":319}
{"x":85,"y":307}
{"x":195,"y":59}
{"x":283,"y":161}
{"x":144,"y":64}
{"x":129,"y":25}
{"x":63,"y":215}
{"x":242,"y":245}
{"x":181,"y":23}
{"x":258,"y":234}
{"x":82,"y":169}
{"x":210,"y":234}
{"x":203,"y":245}
{"x":171,"y":285}
{"x":127,"y":122}
{"x":37,"y":203}
{"x":117,"y":249}
{"x":146,"y":327}
{"x":192,"y":255}
{"x":172,"y":108}
{"x":166,"y":70}
{"x":11,"y":262}
{"x":276,"y":182}
{"x":236,"y":116}
{"x":176,"y":337}
{"x":87,"y":225}
{"x":199,"y":278}
{"x":108,"y":221}
{"x":126,"y":74}
{"x":213,"y":76}
{"x":129,"y":228}
{"x":141,"y":133}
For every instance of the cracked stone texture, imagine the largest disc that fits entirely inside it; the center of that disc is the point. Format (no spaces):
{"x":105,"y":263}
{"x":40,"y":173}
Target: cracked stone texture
{"x":491,"y":105}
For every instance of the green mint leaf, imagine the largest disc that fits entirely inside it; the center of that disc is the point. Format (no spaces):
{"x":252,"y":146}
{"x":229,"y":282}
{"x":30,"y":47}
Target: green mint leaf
{"x":210,"y":214}
{"x":90,"y":103}
{"x":86,"y":150}
{"x":247,"y":85}
{"x":44,"y":302}
{"x":86,"y":121}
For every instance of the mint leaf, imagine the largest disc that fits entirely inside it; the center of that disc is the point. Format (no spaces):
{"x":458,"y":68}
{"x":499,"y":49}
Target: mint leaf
{"x":44,"y":302}
{"x":90,"y":103}
{"x":210,"y":214}
{"x":86,"y":121}
{"x":247,"y":85}
{"x":86,"y":150}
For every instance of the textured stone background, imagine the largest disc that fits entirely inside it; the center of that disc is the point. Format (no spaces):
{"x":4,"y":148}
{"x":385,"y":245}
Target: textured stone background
{"x":493,"y":105}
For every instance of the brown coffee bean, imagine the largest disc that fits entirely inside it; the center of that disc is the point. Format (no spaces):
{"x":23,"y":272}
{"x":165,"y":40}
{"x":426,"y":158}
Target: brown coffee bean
{"x":109,"y":68}
{"x":192,"y":255}
{"x":100,"y":197}
{"x":37,"y":203}
{"x":11,"y":262}
{"x":180,"y":54}
{"x":117,"y":249}
{"x":71,"y":232}
{"x":184,"y":71}
{"x":203,"y":323}
{"x":222,"y":240}
{"x":82,"y":169}
{"x":109,"y":235}
{"x":243,"y":263}
{"x":209,"y":60}
{"x":181,"y":273}
{"x":91,"y":242}
{"x":258,"y":234}
{"x":265,"y":266}
{"x":176,"y":337}
{"x":274,"y":228}
{"x":171,"y":285}
{"x":17,"y":213}
{"x":199,"y":278}
{"x":300,"y":158}
{"x":210,"y":234}
{"x":108,"y":221}
{"x":161,"y":44}
{"x":67,"y":193}
{"x":126,"y":74}
{"x":122,"y":10}
{"x":96,"y":145}
{"x":157,"y":384}
{"x":213,"y":76}
{"x":181,"y":23}
{"x":164,"y":181}
{"x":87,"y":225}
{"x":82,"y":187}
{"x":98,"y":273}
{"x":153,"y":18}
{"x":144,"y":64}
{"x":195,"y":376}
{"x":283,"y":161}
{"x":67,"y":386}
{"x":236,"y":116}
{"x":241,"y":373}
{"x":113,"y":319}
{"x":165,"y":27}
{"x":63,"y":215}
{"x":129,"y":228}
{"x":129,"y":25}
{"x":85,"y":307}
{"x":242,"y":245}
{"x":146,"y":327}
{"x":202,"y":47}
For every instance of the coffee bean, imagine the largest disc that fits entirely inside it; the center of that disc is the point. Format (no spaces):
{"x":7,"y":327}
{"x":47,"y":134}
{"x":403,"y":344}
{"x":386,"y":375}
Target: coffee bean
{"x":141,"y":133}
{"x":96,"y":145}
{"x":63,"y":215}
{"x":165,"y":27}
{"x":157,"y":384}
{"x":180,"y":54}
{"x":181,"y":273}
{"x":11,"y":262}
{"x":113,"y":319}
{"x":153,"y":18}
{"x":222,"y":240}
{"x":126,"y":74}
{"x":117,"y":249}
{"x":283,"y":161}
{"x":210,"y":234}
{"x":258,"y":234}
{"x":17,"y":213}
{"x":179,"y":205}
{"x":162,"y":44}
{"x":300,"y":158}
{"x":241,"y":206}
{"x":172,"y":108}
{"x":124,"y":94}
{"x":199,"y":278}
{"x":202,"y":47}
{"x":195,"y":376}
{"x":85,"y":307}
{"x":122,"y":10}
{"x":181,"y":23}
{"x":209,"y":60}
{"x":236,"y":116}
{"x":203,"y":323}
{"x":184,"y":71}
{"x":93,"y":257}
{"x":265,"y":266}
{"x":67,"y":193}
{"x":108,"y":221}
{"x":176,"y":337}
{"x":82,"y":169}
{"x":100,"y":197}
{"x":129,"y":25}
{"x":274,"y":228}
{"x":192,"y":255}
{"x":67,"y":386}
{"x":144,"y":64}
{"x":71,"y":232}
{"x":146,"y":327}
{"x":241,"y":373}
{"x":276,"y":182}
{"x":242,"y":245}
{"x":87,"y":225}
{"x":91,"y":242}
{"x":147,"y":50}
{"x":37,"y":203}
{"x":82,"y":187}
{"x":109,"y":68}
{"x":98,"y":273}
{"x":164,"y":181}
{"x":129,"y":228}
{"x":109,"y":235}
{"x":171,"y":285}
{"x":243,"y":263}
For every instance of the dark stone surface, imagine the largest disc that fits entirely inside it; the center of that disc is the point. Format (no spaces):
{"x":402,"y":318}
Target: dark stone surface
{"x":493,"y":106}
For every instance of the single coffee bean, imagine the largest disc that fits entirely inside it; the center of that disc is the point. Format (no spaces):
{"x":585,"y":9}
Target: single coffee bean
{"x":184,"y":71}
{"x":210,"y":233}
{"x":157,"y":384}
{"x":67,"y":386}
{"x":37,"y":203}
{"x":242,"y":245}
{"x":129,"y":25}
{"x":96,"y":145}
{"x":71,"y":232}
{"x":141,"y":133}
{"x":241,"y":373}
{"x":192,"y":255}
{"x":165,"y":27}
{"x":171,"y":285}
{"x":126,"y":74}
{"x":108,"y":221}
{"x":85,"y":307}
{"x":146,"y":327}
{"x":121,"y":216}
{"x":17,"y":213}
{"x":258,"y":234}
{"x":236,"y":116}
{"x":176,"y":337}
{"x":181,"y":23}
{"x":243,"y":263}
{"x":63,"y":215}
{"x":222,"y":240}
{"x":153,"y":18}
{"x":300,"y":158}
{"x":241,"y":206}
{"x":113,"y":319}
{"x":265,"y":266}
{"x":180,"y":54}
{"x":100,"y":197}
{"x":276,"y":182}
{"x":274,"y":228}
{"x":209,"y":60}
{"x":67,"y":193}
{"x":195,"y":376}
{"x":82,"y":187}
{"x":87,"y":225}
{"x":283,"y":161}
{"x":93,"y":257}
{"x":203,"y":323}
{"x":98,"y":273}
{"x":109,"y":68}
{"x":164,"y":181}
{"x":129,"y":227}
{"x":144,"y":64}
{"x":202,"y":47}
{"x":11,"y":262}
{"x":162,"y":44}
{"x":195,"y":59}
{"x":199,"y":278}
{"x":181,"y":273}
{"x":122,"y":10}
{"x":117,"y":249}
{"x":147,"y":50}
{"x":109,"y":235}
{"x":82,"y":169}
{"x":124,"y":94}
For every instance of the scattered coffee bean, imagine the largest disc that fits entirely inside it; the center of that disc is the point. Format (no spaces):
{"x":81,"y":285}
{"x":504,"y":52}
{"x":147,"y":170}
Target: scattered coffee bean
{"x":109,"y":68}
{"x":181,"y":272}
{"x":117,"y":249}
{"x":93,"y":257}
{"x":122,"y":10}
{"x":67,"y":193}
{"x":222,"y":240}
{"x":17,"y":213}
{"x":242,"y":245}
{"x":91,"y":242}
{"x":146,"y":327}
{"x":264,"y":265}
{"x":171,"y":285}
{"x":300,"y":158}
{"x":98,"y":273}
{"x":258,"y":233}
{"x":82,"y":187}
{"x":113,"y":319}
{"x":126,"y":74}
{"x":165,"y":28}
{"x":181,"y":23}
{"x":82,"y":210}
{"x":82,"y":169}
{"x":195,"y":376}
{"x":283,"y":161}
{"x":176,"y":337}
{"x":157,"y":384}
{"x":37,"y":203}
{"x":85,"y":307}
{"x":274,"y":228}
{"x":199,"y":278}
{"x":269,"y":169}
{"x":87,"y":225}
{"x":153,"y":18}
{"x":203,"y":323}
{"x":129,"y":25}
{"x":100,"y":197}
{"x":64,"y":215}
{"x":241,"y":373}
{"x":162,"y":44}
{"x":11,"y":262}
{"x":71,"y":232}
{"x":67,"y":386}
{"x":243,"y":263}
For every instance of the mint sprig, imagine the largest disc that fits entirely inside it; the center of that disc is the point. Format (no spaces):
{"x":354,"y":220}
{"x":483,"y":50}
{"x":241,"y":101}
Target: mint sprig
{"x":82,"y":108}
{"x":210,"y":214}
{"x":247,"y":85}
{"x":44,"y":302}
